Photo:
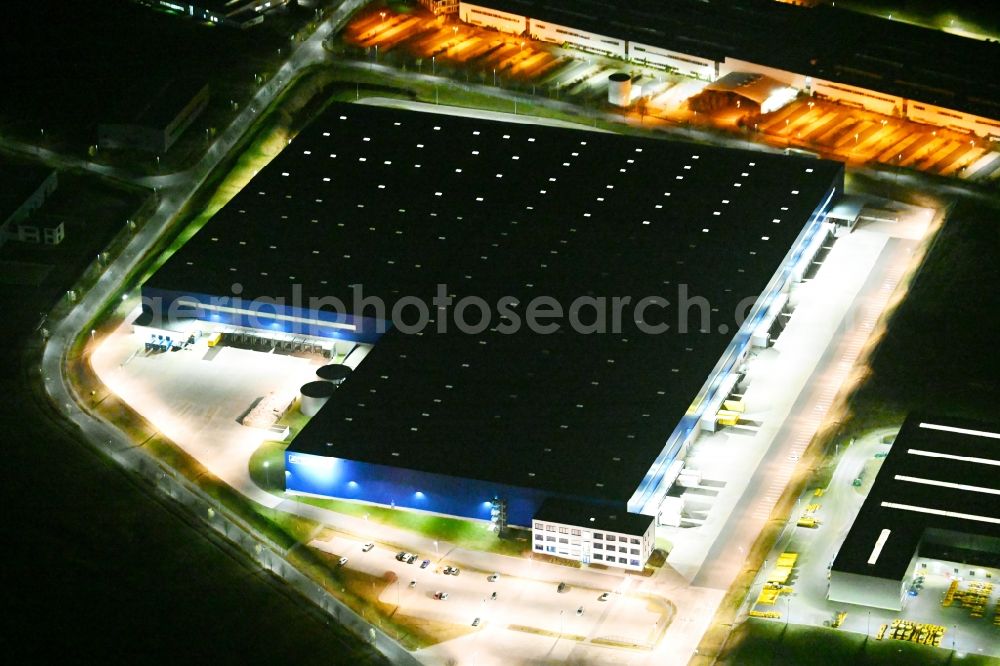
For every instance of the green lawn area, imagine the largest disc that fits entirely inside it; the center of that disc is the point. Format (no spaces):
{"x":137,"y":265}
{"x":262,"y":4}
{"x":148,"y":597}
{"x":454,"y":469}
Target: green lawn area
{"x":761,"y":642}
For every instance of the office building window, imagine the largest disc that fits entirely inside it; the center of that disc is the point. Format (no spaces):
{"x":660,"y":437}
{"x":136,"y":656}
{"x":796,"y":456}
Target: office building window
{"x":611,"y":537}
{"x":563,"y":530}
{"x":575,"y":532}
{"x":539,"y":537}
{"x":598,"y":556}
{"x":598,"y":536}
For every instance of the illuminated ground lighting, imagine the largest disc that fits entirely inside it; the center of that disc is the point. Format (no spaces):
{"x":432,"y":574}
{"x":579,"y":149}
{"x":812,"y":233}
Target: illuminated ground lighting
{"x":947,"y":484}
{"x":941,"y":512}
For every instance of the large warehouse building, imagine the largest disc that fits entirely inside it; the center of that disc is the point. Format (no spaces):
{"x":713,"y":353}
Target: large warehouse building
{"x":611,"y":243}
{"x":934,"y":498}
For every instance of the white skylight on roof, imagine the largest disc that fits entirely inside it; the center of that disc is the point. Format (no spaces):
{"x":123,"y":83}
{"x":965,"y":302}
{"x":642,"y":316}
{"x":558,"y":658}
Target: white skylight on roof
{"x":947,"y":484}
{"x":952,"y":456}
{"x":879,"y":543}
{"x":960,"y":431}
{"x":941,"y":512}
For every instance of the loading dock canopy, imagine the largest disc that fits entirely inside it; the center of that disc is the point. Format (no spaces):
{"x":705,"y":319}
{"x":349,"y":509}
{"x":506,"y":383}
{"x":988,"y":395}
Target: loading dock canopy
{"x":762,"y":90}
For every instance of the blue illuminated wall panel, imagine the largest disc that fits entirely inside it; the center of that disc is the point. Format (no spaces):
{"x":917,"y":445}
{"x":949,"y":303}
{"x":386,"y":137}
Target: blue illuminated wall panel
{"x":392,"y":486}
{"x":260,"y":314}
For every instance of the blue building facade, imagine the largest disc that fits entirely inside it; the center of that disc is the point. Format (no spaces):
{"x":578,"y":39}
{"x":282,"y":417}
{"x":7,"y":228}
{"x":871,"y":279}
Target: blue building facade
{"x":395,"y":486}
{"x":267,"y":315}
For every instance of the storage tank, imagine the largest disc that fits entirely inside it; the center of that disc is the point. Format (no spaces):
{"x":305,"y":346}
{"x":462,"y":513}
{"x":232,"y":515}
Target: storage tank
{"x":314,"y":396}
{"x":335,"y":373}
{"x":620,"y":89}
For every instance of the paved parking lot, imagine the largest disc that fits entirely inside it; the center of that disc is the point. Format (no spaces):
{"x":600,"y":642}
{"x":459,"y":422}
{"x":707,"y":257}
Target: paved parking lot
{"x":431,"y":44}
{"x":862,"y":136}
{"x":522,"y":606}
{"x":197,"y":395}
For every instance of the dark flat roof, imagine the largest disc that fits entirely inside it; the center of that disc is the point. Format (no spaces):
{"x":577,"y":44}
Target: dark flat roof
{"x":929,"y":452}
{"x":826,"y":42}
{"x":565,"y":412}
{"x":18,"y":181}
{"x":593,"y":516}
{"x":156,"y":107}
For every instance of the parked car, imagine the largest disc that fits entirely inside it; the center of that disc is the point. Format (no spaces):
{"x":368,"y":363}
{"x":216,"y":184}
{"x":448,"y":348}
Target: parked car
{"x":413,"y":584}
{"x":561,"y":588}
{"x":401,"y":555}
{"x":367,"y":547}
{"x":450,"y":571}
{"x":441,"y":595}
{"x":475,"y":623}
{"x":425,"y":564}
{"x":603,"y":597}
{"x":411,"y":558}
{"x":493,"y":577}
{"x":342,"y":561}
{"x":493,"y":596}
{"x":579,"y":611}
